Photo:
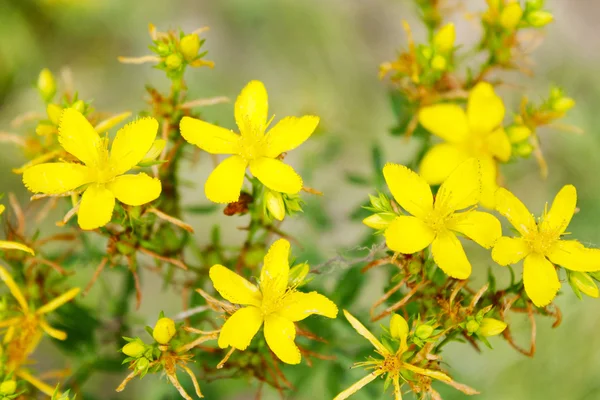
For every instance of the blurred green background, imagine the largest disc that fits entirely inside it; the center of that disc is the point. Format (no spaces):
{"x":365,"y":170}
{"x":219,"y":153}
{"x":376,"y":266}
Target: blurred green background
{"x":321,"y":56}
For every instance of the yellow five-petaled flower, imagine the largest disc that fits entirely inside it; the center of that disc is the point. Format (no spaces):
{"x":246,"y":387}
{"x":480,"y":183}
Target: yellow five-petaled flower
{"x":541,"y":245}
{"x":102,"y":173}
{"x":476,"y":133}
{"x":272,"y":302}
{"x":437,"y":222}
{"x":253,"y":147}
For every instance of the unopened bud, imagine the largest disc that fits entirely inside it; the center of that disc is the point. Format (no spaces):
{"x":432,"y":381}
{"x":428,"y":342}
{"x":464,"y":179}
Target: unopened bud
{"x":164,"y":330}
{"x":79,"y":105}
{"x":8,"y":387}
{"x":539,"y":18}
{"x":142,"y":364}
{"x":511,"y":16}
{"x":297,"y":274}
{"x":133,"y":349}
{"x":275,"y":205}
{"x":173,"y":61}
{"x":155,"y":150}
{"x":54,"y":111}
{"x":524,"y":149}
{"x":46,"y":85}
{"x":190,"y":44}
{"x":439,"y":63}
{"x":423,"y":331}
{"x":398,"y":327}
{"x":491,"y":327}
{"x":444,"y":39}
{"x":518,"y":133}
{"x":563,"y":104}
{"x":379,"y":221}
{"x":584,"y":283}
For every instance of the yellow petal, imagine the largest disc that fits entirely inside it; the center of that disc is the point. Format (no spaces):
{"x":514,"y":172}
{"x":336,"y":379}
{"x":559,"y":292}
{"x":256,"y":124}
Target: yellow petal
{"x":485,"y":109}
{"x":275,"y":271}
{"x":440,"y":160}
{"x":408,"y":235}
{"x":448,"y":121}
{"x":280,"y":334}
{"x":449,"y":255}
{"x":225,"y":183}
{"x":210,"y":138}
{"x":410,"y":190}
{"x":573,"y":255}
{"x":58,"y":301}
{"x":297,"y":306}
{"x":561,"y":212}
{"x":276,"y":175}
{"x":509,"y":250}
{"x":135,"y":190}
{"x":53,"y":332}
{"x":233,"y":287}
{"x":132,"y":143}
{"x":56,"y":178}
{"x":481,"y":227}
{"x":499,"y":145}
{"x":96,"y":207}
{"x":358,"y":385}
{"x":364,"y":332}
{"x":6,"y":245}
{"x":240,"y":328}
{"x":461,"y":189}
{"x":427,"y":372}
{"x":14,"y":289}
{"x":515,"y":211}
{"x":489,"y":185}
{"x":540,"y":279}
{"x":251,"y":109}
{"x":78,"y":137}
{"x":290,"y":133}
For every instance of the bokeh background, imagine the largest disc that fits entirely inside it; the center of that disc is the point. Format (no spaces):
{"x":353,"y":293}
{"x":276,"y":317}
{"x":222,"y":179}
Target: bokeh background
{"x":321,"y":56}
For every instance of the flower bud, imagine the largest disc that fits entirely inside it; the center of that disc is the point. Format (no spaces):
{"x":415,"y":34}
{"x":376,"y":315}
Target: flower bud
{"x":2,"y":208}
{"x":297,"y":274}
{"x":524,"y":149}
{"x":423,"y":331}
{"x":164,"y":330}
{"x":511,"y":16}
{"x":54,"y":111}
{"x":275,"y":205}
{"x":563,"y":104}
{"x":142,"y":364}
{"x":46,"y":85}
{"x":518,"y":133}
{"x":415,"y":266}
{"x":398,"y":327}
{"x":472,"y":326}
{"x":173,"y":61}
{"x":133,"y":349}
{"x":79,"y":105}
{"x":190,"y":44}
{"x":584,"y":283}
{"x":444,"y":39}
{"x":155,"y":150}
{"x":491,"y":327}
{"x":540,"y":18}
{"x":439,"y":63}
{"x":8,"y":387}
{"x":376,"y":221}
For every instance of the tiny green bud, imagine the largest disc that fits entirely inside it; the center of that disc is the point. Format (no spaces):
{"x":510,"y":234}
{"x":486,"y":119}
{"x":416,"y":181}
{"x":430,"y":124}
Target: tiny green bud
{"x":427,"y":52}
{"x":563,"y":104}
{"x":155,"y":150}
{"x":142,"y":364}
{"x":415,"y":266}
{"x":275,"y":205}
{"x":162,"y":48}
{"x":511,"y":16}
{"x":298,"y":273}
{"x":377,"y":221}
{"x":8,"y":387}
{"x":54,"y":111}
{"x":491,"y":327}
{"x":164,"y":330}
{"x":584,"y":283}
{"x":518,"y":133}
{"x":524,"y":149}
{"x":539,"y":18}
{"x":79,"y":105}
{"x":134,"y":349}
{"x":190,"y":44}
{"x":444,"y":38}
{"x":423,"y":331}
{"x":439,"y":63}
{"x":173,"y":61}
{"x":398,"y":327}
{"x":46,"y":85}
{"x":472,"y":326}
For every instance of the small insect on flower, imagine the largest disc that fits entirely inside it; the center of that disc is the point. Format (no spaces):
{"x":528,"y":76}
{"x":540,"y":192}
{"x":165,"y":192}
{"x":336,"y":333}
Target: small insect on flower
{"x":253,"y":147}
{"x":273,"y":302}
{"x":541,"y":244}
{"x":102,"y":175}
{"x":395,"y":363}
{"x":437,"y":223}
{"x":476,"y":133}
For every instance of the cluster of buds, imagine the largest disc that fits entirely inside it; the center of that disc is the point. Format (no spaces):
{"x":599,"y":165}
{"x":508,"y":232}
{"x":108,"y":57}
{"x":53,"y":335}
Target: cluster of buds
{"x":383,"y":211}
{"x":583,"y":282}
{"x":277,"y":205}
{"x":8,"y":389}
{"x":483,"y":327}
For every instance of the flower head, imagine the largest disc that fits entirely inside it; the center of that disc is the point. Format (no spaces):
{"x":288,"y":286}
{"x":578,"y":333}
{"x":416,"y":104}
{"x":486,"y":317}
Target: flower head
{"x":273,"y":303}
{"x":541,"y":245}
{"x":475,"y":133}
{"x":437,"y":222}
{"x":102,"y":174}
{"x":252,"y":147}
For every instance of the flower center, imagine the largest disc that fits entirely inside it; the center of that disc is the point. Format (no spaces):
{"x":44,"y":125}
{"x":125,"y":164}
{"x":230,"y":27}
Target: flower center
{"x":436,"y":220}
{"x":540,"y":242}
{"x":252,"y":147}
{"x":477,"y":144}
{"x":391,"y":363}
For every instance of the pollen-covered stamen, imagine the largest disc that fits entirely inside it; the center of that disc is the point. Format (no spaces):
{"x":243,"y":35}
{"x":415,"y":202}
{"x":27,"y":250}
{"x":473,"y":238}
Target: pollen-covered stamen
{"x":252,"y":147}
{"x":541,"y":242}
{"x":437,"y":219}
{"x":391,"y":364}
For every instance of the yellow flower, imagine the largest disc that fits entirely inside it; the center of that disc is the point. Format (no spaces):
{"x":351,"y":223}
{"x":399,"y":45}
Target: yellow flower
{"x":253,"y":147}
{"x":475,"y":133}
{"x":102,"y":172}
{"x":164,"y":330}
{"x":436,"y":222}
{"x":393,"y":364}
{"x":444,"y":39}
{"x":272,"y":302}
{"x":541,"y":245}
